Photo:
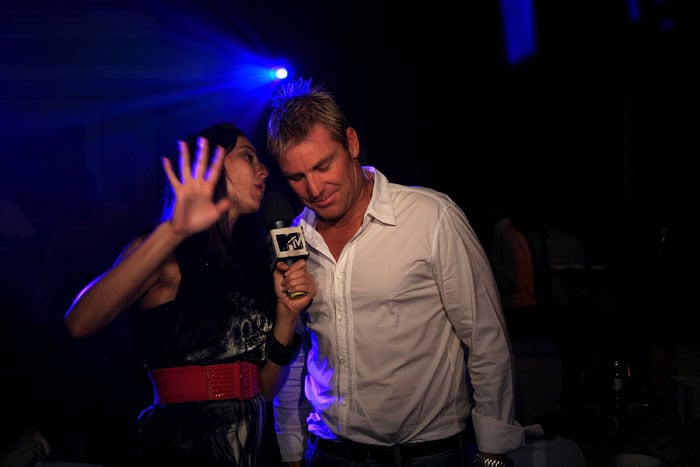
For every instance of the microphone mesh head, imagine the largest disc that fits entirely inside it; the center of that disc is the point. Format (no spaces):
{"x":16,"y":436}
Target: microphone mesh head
{"x":275,"y":208}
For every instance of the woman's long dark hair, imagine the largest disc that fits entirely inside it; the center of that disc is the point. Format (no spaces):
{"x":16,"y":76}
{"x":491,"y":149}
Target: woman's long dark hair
{"x":211,"y":261}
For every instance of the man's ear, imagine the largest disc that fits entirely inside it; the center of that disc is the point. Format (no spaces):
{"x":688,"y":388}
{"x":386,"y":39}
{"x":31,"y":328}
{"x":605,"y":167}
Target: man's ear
{"x":353,"y":142}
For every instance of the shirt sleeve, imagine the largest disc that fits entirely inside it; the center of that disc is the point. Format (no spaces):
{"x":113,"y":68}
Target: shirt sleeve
{"x":291,"y":409}
{"x":473,"y":306}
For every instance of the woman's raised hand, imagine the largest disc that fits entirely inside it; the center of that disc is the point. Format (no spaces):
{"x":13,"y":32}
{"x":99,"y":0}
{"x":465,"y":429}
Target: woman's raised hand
{"x":194,"y":209}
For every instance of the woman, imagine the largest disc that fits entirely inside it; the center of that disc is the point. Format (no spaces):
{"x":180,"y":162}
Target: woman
{"x":216,"y":331}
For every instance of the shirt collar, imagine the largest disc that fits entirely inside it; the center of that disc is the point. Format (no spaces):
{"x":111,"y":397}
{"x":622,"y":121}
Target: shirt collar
{"x":380,"y":205}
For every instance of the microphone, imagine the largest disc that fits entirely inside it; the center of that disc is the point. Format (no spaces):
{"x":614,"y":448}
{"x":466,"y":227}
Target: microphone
{"x":286,"y":243}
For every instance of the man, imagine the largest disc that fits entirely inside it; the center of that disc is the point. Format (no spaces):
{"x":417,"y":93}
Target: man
{"x":404,"y":289}
{"x":511,"y":259}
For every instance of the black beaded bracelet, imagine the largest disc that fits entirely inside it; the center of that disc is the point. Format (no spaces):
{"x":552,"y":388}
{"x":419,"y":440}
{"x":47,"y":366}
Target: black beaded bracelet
{"x":282,"y":354}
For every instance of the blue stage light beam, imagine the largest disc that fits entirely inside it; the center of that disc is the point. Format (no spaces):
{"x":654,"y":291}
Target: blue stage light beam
{"x":519,"y":28}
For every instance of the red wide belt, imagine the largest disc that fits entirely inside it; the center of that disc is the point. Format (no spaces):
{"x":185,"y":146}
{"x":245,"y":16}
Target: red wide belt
{"x":205,"y":382}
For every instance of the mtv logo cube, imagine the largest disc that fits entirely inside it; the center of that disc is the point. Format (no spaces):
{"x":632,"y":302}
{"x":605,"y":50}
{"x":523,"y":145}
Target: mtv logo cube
{"x":288,"y":244}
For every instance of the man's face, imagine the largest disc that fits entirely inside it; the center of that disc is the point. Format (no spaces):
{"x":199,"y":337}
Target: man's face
{"x":323,"y":174}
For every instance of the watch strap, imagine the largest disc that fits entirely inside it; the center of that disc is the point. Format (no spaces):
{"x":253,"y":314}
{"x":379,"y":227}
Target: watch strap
{"x":481,"y":461}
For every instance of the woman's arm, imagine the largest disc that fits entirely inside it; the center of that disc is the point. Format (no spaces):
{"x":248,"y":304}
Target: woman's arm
{"x":136,"y":272}
{"x":144,"y":264}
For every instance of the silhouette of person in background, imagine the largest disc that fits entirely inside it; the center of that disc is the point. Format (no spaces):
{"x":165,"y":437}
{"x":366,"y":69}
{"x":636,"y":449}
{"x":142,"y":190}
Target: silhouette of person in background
{"x":512,"y":263}
{"x":19,"y":251}
{"x":511,"y":259}
{"x":83,"y":395}
{"x":562,"y":287}
{"x":559,"y":258}
{"x":15,"y":226}
{"x":654,"y":272}
{"x":21,"y":441}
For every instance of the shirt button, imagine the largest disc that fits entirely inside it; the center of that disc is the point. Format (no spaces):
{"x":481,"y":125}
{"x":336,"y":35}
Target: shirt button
{"x":342,"y":403}
{"x":342,"y":361}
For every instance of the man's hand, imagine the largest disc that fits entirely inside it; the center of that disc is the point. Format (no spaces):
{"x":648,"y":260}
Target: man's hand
{"x":289,"y":282}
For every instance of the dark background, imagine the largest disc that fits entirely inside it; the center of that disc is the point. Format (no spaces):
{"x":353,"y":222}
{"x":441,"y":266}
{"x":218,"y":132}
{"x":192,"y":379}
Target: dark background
{"x":603,"y":114}
{"x":603,"y":118}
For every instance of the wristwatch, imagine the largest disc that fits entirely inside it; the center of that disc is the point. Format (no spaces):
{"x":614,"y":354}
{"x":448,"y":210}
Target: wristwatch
{"x":481,"y":461}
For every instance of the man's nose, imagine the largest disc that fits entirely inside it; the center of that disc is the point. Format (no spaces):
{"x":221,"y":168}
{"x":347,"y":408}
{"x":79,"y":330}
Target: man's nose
{"x":314,"y":185}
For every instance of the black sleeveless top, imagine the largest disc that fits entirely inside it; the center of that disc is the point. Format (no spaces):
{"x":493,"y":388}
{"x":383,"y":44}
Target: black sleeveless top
{"x":223,"y":313}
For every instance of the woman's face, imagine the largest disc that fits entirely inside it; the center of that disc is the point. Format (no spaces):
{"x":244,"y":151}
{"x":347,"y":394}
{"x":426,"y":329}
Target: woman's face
{"x":245,"y":177}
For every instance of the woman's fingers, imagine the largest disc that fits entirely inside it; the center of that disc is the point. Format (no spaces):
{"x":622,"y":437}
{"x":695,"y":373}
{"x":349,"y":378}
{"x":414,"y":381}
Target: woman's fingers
{"x":167,"y":166}
{"x":184,"y":160}
{"x":200,"y":175}
{"x":202,"y":157}
{"x":200,"y":168}
{"x":214,"y":171}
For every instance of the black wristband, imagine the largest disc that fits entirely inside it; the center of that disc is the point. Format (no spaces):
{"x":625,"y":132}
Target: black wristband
{"x":282,"y":354}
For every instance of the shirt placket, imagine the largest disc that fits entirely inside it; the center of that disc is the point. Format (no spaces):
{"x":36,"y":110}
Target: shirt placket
{"x":341,"y":296}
